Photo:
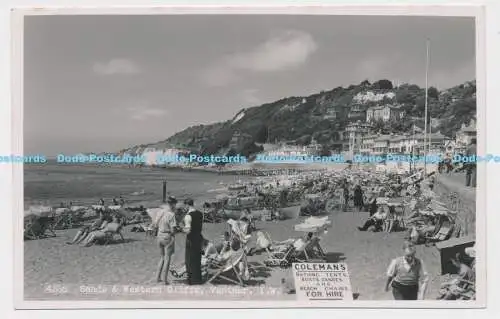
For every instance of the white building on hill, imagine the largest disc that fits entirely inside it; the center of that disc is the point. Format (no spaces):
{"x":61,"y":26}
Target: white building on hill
{"x":465,"y":135}
{"x":384,"y":113}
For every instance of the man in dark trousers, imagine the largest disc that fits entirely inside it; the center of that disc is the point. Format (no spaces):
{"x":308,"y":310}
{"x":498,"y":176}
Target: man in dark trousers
{"x":470,"y":177}
{"x":407,"y":276}
{"x":193,"y":224}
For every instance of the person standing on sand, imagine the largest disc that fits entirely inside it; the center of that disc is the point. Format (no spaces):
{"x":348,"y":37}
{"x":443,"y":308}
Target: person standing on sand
{"x":372,"y":207}
{"x":166,"y":226}
{"x":193,"y":224}
{"x":346,"y":197}
{"x":358,"y":197}
{"x":405,"y":274}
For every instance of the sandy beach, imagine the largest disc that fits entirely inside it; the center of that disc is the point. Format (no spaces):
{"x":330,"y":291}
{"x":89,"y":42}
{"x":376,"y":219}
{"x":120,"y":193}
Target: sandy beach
{"x":50,"y":262}
{"x":367,"y":254}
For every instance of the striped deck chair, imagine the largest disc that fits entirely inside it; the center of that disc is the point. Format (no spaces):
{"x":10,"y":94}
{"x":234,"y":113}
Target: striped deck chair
{"x":444,"y":232}
{"x":307,"y":251}
{"x":111,"y":232}
{"x":231,"y":266}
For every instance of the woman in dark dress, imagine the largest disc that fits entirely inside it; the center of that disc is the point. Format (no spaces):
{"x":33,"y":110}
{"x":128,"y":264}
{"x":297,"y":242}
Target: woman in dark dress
{"x":358,"y":197}
{"x":346,"y":198}
{"x":372,"y":205}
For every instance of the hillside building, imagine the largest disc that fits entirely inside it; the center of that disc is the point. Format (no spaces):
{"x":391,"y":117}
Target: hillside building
{"x":465,"y":135}
{"x":384,"y":113}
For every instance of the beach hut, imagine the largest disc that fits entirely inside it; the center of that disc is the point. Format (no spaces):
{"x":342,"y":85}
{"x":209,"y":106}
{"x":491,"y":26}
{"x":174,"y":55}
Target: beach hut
{"x":449,"y":248}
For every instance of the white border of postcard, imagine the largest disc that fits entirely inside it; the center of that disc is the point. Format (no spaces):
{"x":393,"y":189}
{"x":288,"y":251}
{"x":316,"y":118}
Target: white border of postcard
{"x":472,"y":10}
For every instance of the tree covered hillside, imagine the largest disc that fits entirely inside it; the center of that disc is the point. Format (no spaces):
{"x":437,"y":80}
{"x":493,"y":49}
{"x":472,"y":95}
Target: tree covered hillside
{"x":321,"y":116}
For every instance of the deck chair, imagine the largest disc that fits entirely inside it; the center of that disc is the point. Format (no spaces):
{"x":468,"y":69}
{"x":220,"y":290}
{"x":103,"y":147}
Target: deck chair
{"x":394,"y":219}
{"x":70,"y":219}
{"x":306,"y":251}
{"x":264,"y":241}
{"x":238,"y":232}
{"x":469,"y":290}
{"x":212,"y":216}
{"x":460,"y":290}
{"x":445,"y":231}
{"x":282,"y":258}
{"x":63,"y":219}
{"x":36,"y":227}
{"x":231,"y":266}
{"x":180,"y":272}
{"x":111,"y":233}
{"x":278,"y":253}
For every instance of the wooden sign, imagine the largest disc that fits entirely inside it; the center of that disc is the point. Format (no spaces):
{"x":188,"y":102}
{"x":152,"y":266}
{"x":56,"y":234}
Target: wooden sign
{"x":322,"y":281}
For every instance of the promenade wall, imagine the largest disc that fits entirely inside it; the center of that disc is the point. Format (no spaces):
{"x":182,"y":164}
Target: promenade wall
{"x":452,"y":191}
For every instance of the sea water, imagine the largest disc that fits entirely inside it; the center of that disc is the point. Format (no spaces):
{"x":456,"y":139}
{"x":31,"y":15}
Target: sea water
{"x":52,"y":183}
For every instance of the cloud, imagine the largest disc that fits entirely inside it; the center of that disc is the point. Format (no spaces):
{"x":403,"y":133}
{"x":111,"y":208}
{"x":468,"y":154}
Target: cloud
{"x":281,"y":52}
{"x":116,"y":66}
{"x":143,"y":112}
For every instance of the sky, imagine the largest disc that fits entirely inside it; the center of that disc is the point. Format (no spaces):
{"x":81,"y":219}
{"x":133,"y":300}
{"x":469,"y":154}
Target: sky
{"x":104,"y":83}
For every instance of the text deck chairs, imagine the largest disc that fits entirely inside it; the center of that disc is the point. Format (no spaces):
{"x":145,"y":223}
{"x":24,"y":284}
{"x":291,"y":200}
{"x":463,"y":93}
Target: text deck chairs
{"x":235,"y":265}
{"x":36,"y":227}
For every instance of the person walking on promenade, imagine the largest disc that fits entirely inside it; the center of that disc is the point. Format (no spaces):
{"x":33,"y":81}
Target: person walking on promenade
{"x":405,"y":274}
{"x":166,"y":226}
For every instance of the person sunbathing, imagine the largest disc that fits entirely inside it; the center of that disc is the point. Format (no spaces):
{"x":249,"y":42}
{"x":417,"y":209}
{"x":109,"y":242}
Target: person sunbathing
{"x":263,"y":242}
{"x":213,"y":253}
{"x":247,"y":218}
{"x":83,"y":233}
{"x":312,"y":241}
{"x":100,"y":234}
{"x":376,"y":220}
{"x":452,"y":289}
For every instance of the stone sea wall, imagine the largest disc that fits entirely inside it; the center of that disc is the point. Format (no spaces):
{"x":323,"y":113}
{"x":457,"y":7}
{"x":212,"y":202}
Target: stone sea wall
{"x":452,"y":192}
